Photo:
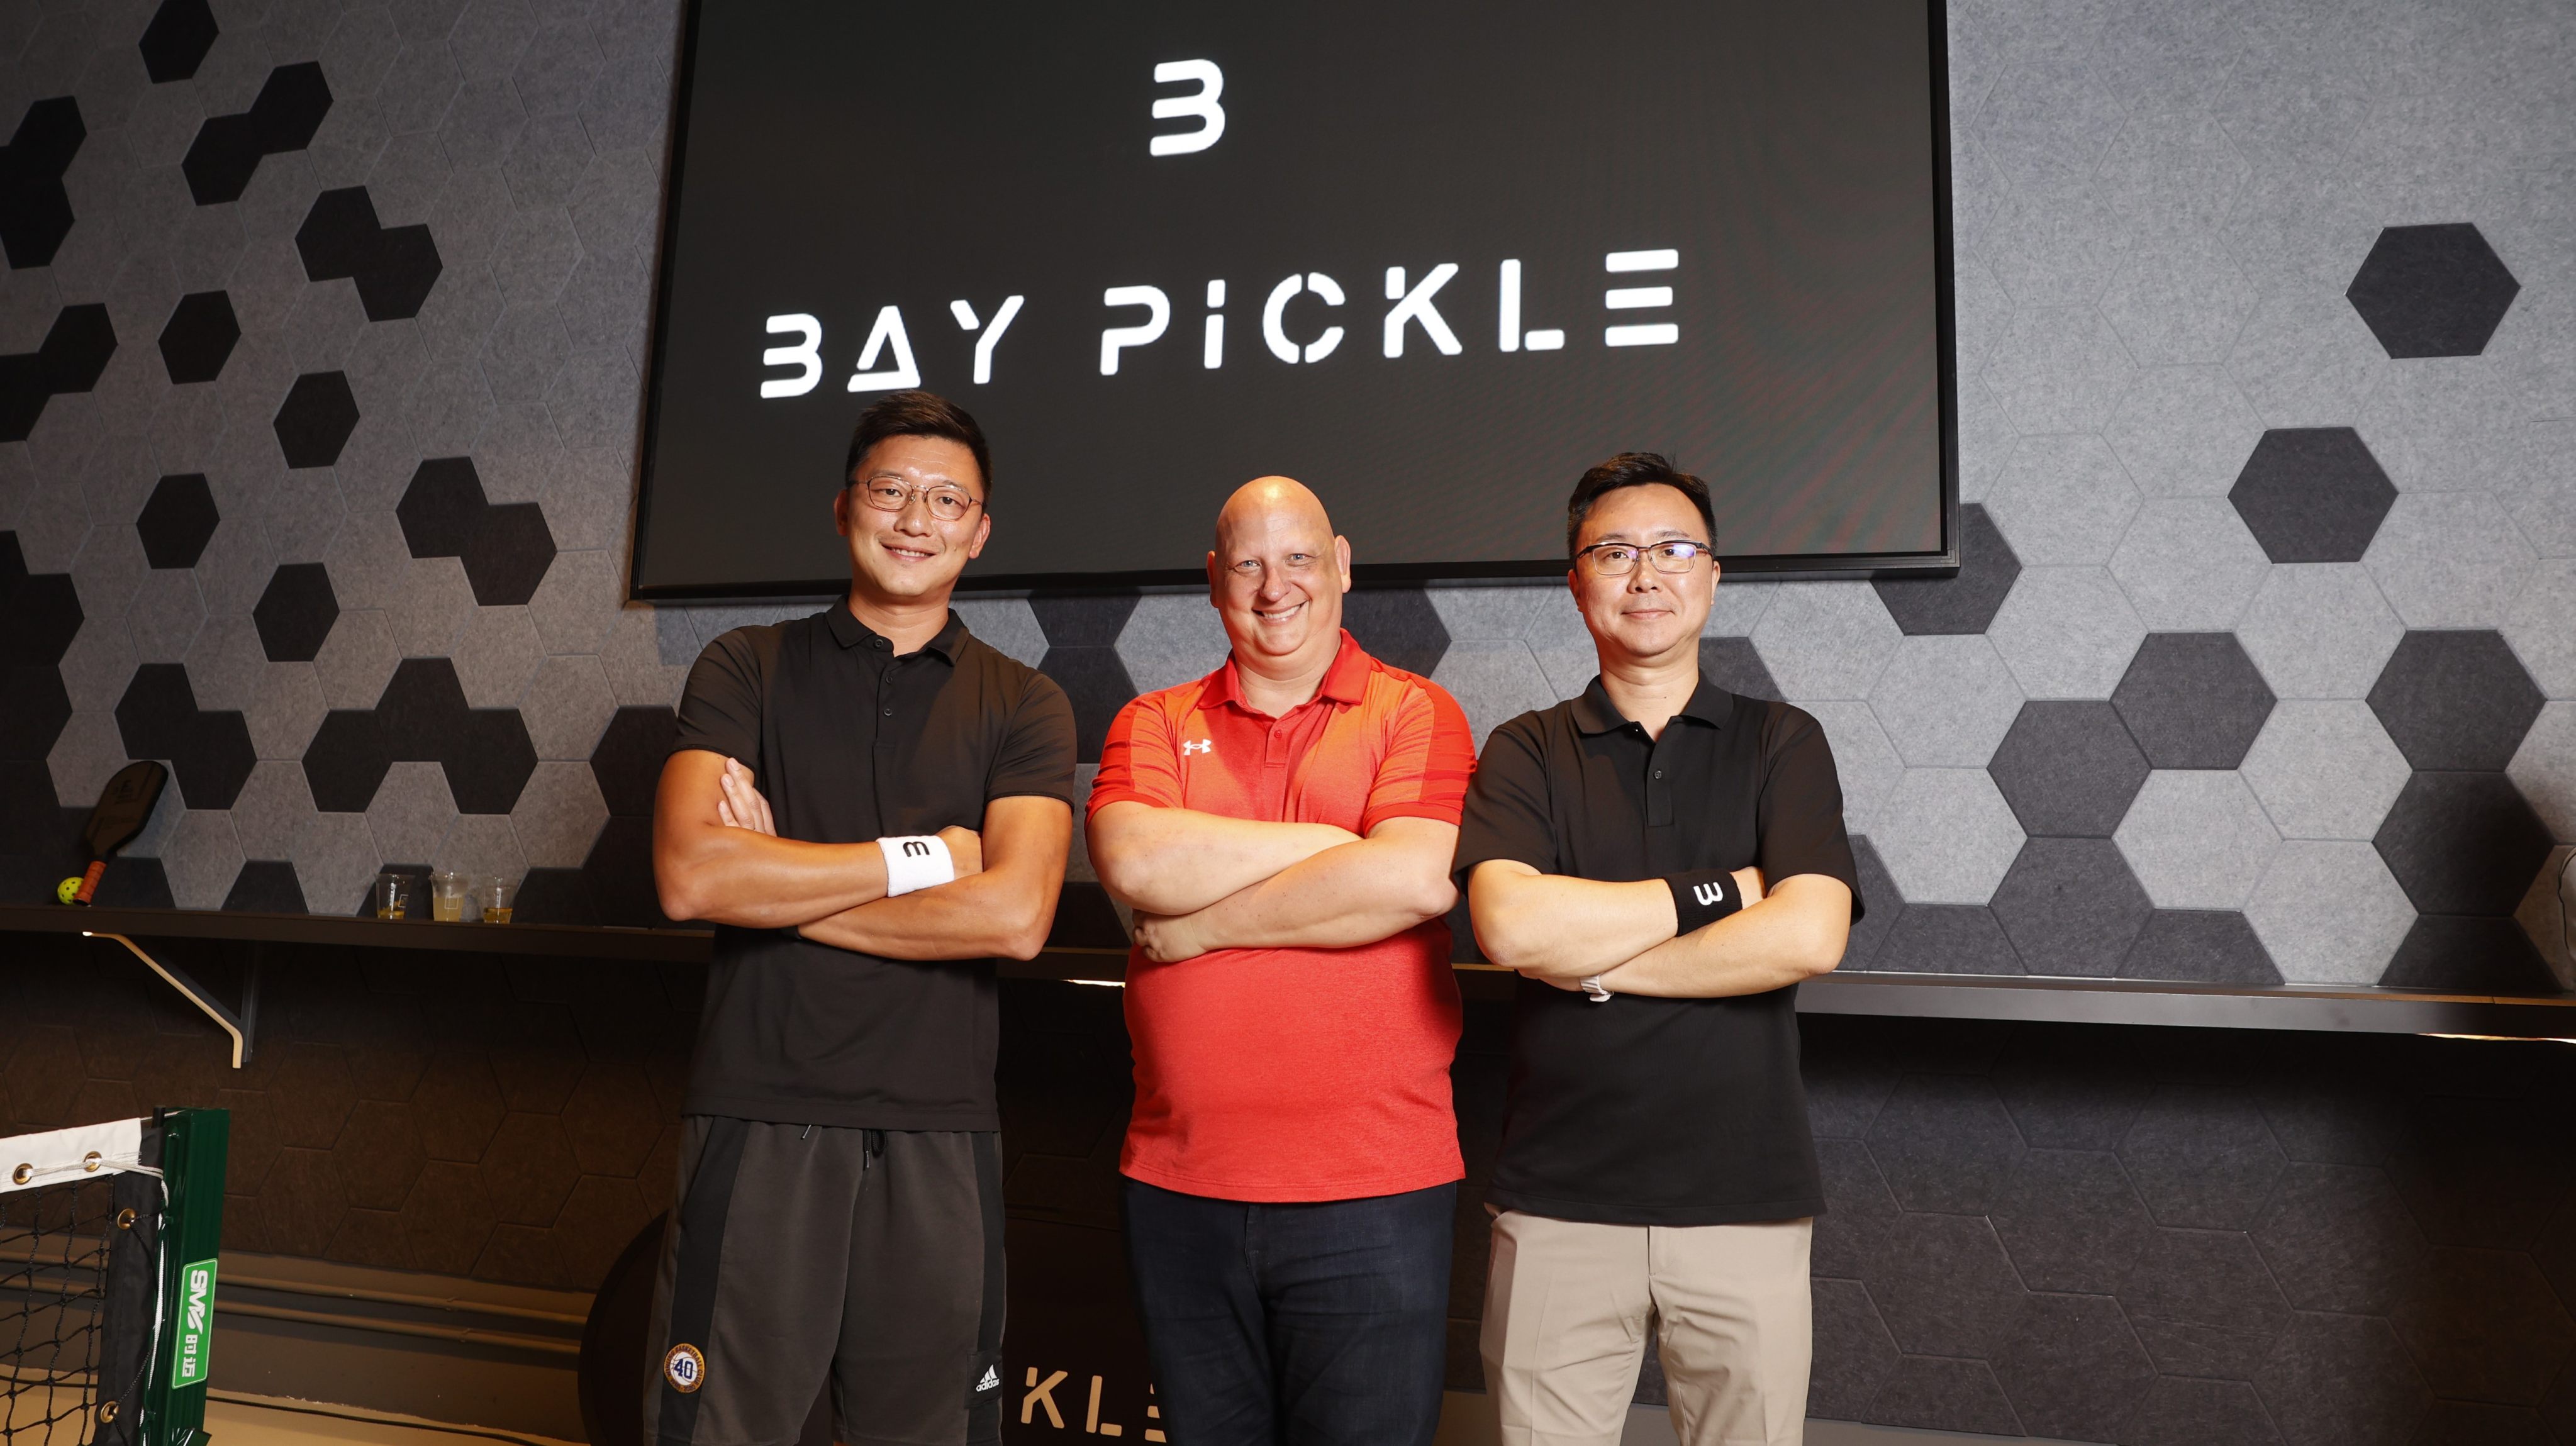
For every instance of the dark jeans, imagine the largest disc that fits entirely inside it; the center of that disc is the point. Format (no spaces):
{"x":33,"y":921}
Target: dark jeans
{"x":1294,"y":1325}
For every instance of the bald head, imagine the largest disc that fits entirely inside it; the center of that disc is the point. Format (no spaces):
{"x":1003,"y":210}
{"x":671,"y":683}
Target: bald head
{"x":1277,"y":575}
{"x":1266,"y":506}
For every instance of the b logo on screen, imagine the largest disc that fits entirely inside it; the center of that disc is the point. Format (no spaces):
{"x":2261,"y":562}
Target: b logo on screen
{"x":1140,"y":314}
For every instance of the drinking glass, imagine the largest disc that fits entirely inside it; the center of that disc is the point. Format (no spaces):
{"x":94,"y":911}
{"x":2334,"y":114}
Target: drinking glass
{"x":447,"y":891}
{"x":500,"y":896}
{"x":392,"y":895}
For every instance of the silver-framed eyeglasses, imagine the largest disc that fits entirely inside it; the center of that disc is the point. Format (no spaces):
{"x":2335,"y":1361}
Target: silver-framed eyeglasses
{"x":887,"y":495}
{"x":1618,"y":559}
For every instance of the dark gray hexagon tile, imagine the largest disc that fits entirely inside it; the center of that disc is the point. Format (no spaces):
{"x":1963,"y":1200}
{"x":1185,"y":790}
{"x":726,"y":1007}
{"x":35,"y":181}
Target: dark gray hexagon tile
{"x":177,"y":521}
{"x":628,"y":758}
{"x":2074,"y":1370}
{"x":283,"y":117}
{"x":1397,"y":625}
{"x":295,"y":612}
{"x":2468,"y":955}
{"x":2071,"y":1221}
{"x":1082,"y":620}
{"x":2072,"y":1087}
{"x":2202,"y":1157}
{"x":2180,"y":1411}
{"x":2071,"y":907}
{"x":2484,"y":1326}
{"x":33,"y":709}
{"x":2208,"y":946}
{"x":266,"y":886}
{"x":199,"y":337}
{"x":1732,"y":664}
{"x":2193,"y":700}
{"x":1945,"y":1142}
{"x":2455,"y":700}
{"x":2462,"y":843}
{"x":2203,"y":1303}
{"x":439,"y":508}
{"x":2069,"y":769}
{"x":1945,"y":1287}
{"x":1966,"y":602}
{"x":176,"y":41}
{"x":2432,"y":291}
{"x":71,"y":358}
{"x":2341,"y":1380}
{"x":507,"y":553}
{"x":1884,"y":904}
{"x":2338,"y":1238}
{"x":2313,"y":494}
{"x":39,"y":211}
{"x":209,"y":752}
{"x":346,"y":761}
{"x":1854,"y":1355}
{"x":1095,"y":681}
{"x":1858,"y":1211}
{"x":2473,"y":1174}
{"x":315,"y":420}
{"x":1948,"y":939}
{"x":1929,"y":1393}
{"x":489,"y":761}
{"x":394,"y":267}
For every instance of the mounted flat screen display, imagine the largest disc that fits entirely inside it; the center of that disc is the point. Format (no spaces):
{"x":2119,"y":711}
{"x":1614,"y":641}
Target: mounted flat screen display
{"x":1433,"y":259}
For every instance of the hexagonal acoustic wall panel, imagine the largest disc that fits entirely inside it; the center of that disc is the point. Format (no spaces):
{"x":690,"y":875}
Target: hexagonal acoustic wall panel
{"x":315,"y":421}
{"x":209,"y":752}
{"x":1967,"y":602}
{"x":505,"y":548}
{"x":2313,"y":494}
{"x":35,"y":210}
{"x":1082,"y":656}
{"x":177,"y":522}
{"x":2193,"y":700}
{"x":176,"y":41}
{"x":2432,"y":291}
{"x":295,"y":612}
{"x":2455,"y":700}
{"x":229,"y":148}
{"x":394,"y":266}
{"x":199,"y":337}
{"x":1398,"y":625}
{"x":2069,"y":769}
{"x":2463,"y":843}
{"x":72,"y":357}
{"x":422,"y":717}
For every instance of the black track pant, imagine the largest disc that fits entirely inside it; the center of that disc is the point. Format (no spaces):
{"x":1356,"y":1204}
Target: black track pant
{"x":871,"y":1258}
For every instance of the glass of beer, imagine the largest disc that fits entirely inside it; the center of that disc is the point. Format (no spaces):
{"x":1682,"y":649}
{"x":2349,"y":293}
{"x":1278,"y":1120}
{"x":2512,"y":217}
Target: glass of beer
{"x":500,"y":897}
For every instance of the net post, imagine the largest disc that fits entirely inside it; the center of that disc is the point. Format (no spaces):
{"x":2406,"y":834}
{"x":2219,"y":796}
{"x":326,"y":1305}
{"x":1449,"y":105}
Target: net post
{"x":193,"y":1147}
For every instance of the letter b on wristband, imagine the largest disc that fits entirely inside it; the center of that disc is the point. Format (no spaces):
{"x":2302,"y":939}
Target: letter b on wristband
{"x":916,"y":861}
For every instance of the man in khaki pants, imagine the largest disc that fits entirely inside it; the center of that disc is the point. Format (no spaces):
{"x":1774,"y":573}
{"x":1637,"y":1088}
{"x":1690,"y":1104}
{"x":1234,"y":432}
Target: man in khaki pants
{"x":1656,"y":1160}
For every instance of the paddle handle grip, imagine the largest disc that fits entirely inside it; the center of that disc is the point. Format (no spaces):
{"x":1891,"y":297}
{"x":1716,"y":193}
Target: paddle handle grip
{"x":89,"y":881}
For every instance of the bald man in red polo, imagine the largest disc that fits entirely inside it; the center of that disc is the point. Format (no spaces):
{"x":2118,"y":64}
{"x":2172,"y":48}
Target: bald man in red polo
{"x":1283,"y":830}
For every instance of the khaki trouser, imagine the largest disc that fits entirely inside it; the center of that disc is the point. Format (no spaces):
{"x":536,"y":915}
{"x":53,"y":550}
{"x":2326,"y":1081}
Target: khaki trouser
{"x":1566,"y":1307}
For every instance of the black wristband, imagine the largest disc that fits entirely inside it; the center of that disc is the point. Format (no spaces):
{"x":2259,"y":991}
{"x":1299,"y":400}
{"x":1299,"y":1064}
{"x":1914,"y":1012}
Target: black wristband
{"x":1702,"y":897}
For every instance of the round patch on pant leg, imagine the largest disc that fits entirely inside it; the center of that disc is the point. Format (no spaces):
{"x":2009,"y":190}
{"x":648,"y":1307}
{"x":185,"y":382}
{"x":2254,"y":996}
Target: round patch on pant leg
{"x":684,"y":1368}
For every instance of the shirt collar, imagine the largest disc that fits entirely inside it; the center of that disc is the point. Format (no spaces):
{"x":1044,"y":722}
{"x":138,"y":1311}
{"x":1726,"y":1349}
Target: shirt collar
{"x":1595,"y":713}
{"x":849,"y":632}
{"x":1345,"y":682}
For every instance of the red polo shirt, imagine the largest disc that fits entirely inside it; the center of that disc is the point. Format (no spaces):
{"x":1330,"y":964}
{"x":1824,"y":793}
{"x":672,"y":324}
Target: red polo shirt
{"x":1295,"y":1074}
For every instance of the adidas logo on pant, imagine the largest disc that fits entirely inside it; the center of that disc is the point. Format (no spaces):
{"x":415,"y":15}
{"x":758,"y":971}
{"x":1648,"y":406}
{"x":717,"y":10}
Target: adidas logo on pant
{"x":992,"y":1381}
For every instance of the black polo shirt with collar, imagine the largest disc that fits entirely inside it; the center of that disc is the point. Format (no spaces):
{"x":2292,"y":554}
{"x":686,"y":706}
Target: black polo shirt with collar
{"x":850,"y":743}
{"x":1643,"y":1111}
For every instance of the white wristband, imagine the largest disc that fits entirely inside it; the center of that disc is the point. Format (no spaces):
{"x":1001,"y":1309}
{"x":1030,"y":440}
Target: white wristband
{"x":916,"y":861}
{"x":1599,"y":992}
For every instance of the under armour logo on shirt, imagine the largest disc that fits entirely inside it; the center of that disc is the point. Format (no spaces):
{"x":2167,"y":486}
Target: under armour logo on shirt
{"x":1709,"y":895}
{"x":1201,"y":745}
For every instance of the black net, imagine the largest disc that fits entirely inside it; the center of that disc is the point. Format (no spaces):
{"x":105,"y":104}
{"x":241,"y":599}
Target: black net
{"x":76,"y":1308}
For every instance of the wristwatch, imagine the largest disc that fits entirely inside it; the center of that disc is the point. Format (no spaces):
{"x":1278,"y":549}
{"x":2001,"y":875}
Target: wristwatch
{"x":1592,"y":986}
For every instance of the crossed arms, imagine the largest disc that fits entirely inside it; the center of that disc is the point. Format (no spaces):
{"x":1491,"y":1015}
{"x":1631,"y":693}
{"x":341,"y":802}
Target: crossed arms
{"x":1201,"y":881}
{"x":717,"y":856}
{"x":1559,"y":930}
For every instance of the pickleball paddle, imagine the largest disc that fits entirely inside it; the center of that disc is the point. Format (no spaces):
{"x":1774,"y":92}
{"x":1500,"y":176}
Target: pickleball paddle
{"x":124,"y":807}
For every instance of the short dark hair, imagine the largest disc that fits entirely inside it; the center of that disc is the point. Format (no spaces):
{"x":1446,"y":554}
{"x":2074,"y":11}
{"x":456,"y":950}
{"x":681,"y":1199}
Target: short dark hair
{"x":919,"y":414}
{"x":1633,"y":469}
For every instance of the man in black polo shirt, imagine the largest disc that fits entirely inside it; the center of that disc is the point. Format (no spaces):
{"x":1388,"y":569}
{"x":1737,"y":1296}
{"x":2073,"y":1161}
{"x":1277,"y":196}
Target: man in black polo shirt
{"x":1656,"y":1158}
{"x":870,"y":804}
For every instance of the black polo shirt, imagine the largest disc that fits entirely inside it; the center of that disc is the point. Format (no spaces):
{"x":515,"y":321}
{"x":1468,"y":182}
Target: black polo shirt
{"x":852,"y":743}
{"x":1648,"y":1111}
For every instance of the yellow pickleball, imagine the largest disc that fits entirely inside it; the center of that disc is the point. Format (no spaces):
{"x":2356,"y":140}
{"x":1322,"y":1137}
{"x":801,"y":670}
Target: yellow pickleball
{"x":64,"y":891}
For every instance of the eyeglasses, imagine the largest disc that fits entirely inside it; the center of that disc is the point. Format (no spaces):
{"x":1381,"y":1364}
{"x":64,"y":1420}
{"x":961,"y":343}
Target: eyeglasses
{"x":945,"y":503}
{"x":1618,"y":559}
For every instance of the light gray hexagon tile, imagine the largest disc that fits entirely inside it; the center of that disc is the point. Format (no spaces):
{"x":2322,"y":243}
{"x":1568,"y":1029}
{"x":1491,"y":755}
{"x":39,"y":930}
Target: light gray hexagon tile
{"x":483,"y":844}
{"x":497,"y":656}
{"x":1865,"y":762}
{"x":633,"y":660}
{"x":1946,"y":835}
{"x":559,"y":815}
{"x":706,"y":624}
{"x":2189,"y":565}
{"x":2325,"y":769}
{"x":1983,"y":309}
{"x":519,"y":453}
{"x":2546,"y":912}
{"x":367,"y":558}
{"x":2329,"y":913}
{"x":2053,"y":246}
{"x":1494,"y":681}
{"x":1484,"y":612}
{"x":527,"y":346}
{"x":1738,"y":608}
{"x":226,"y":665}
{"x":2434,"y":421}
{"x":567,"y":706}
{"x":85,"y":755}
{"x":2449,"y":560}
{"x":2544,"y":768}
{"x":2179,"y":299}
{"x":2304,"y":358}
{"x":2170,"y":172}
{"x":411,"y":813}
{"x":1171,"y":638}
{"x":1560,"y":642}
{"x":2538,"y":629}
{"x":2184,"y":432}
{"x":201,"y":858}
{"x":596,"y":399}
{"x":335,"y":859}
{"x":356,"y":660}
{"x":2319,"y":630}
{"x":235,"y":566}
{"x":1945,"y":701}
{"x":577,"y":602}
{"x":322,"y":325}
{"x":164,"y":822}
{"x":2059,"y":370}
{"x":166,"y":615}
{"x":286,"y":711}
{"x":2197,"y":840}
{"x":589,"y":498}
{"x":1826,"y":639}
{"x":97,"y":664}
{"x":430,"y":606}
{"x":272,"y":809}
{"x":2532,"y":467}
{"x":1007,"y":624}
{"x":2043,"y":128}
{"x":108,"y":572}
{"x":2066,"y":632}
{"x":1985,"y":439}
{"x":2063,"y":501}
{"x":53,"y":521}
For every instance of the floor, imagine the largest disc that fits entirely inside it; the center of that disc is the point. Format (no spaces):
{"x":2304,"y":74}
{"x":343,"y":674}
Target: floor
{"x":235,"y":1419}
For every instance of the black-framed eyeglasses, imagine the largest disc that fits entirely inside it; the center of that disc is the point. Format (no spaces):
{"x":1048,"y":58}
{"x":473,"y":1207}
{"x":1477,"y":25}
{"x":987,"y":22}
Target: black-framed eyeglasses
{"x":1618,"y":559}
{"x":887,"y":495}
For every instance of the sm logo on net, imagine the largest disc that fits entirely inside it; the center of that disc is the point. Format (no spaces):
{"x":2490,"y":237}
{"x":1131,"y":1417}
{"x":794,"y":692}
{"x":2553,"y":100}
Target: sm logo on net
{"x":1304,"y":318}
